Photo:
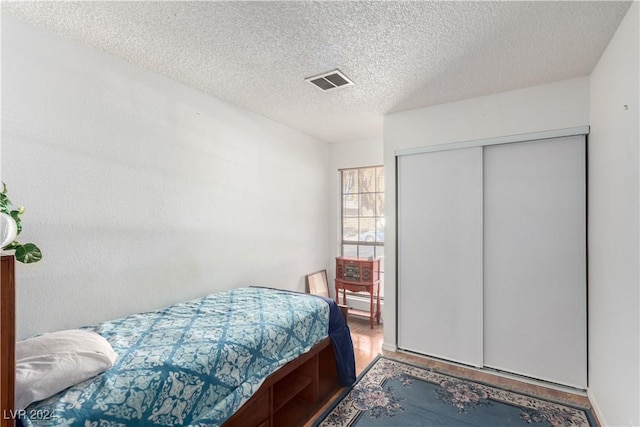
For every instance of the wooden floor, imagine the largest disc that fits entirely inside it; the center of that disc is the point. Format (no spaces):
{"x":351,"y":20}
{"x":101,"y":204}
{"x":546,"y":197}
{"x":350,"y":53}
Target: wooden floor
{"x":367,"y":344}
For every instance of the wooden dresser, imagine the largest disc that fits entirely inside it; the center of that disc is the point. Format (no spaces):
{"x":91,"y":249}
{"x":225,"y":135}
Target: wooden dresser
{"x":7,"y":340}
{"x":359,"y":275}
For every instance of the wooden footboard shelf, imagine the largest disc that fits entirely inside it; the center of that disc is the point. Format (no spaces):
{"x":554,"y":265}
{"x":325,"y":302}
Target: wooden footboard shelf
{"x":294,"y":393}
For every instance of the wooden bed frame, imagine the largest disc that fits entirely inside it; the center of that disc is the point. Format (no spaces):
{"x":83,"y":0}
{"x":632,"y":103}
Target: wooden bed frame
{"x":287,"y":398}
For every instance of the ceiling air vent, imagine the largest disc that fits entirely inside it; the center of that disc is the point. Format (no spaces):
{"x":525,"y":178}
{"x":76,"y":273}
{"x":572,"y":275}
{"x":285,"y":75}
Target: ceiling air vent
{"x":330,"y":80}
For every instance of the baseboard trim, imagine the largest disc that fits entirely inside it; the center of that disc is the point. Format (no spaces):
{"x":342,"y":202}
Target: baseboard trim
{"x":596,"y":409}
{"x":389,"y":347}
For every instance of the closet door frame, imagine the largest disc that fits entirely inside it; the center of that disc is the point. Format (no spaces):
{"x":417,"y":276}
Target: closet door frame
{"x":509,"y":139}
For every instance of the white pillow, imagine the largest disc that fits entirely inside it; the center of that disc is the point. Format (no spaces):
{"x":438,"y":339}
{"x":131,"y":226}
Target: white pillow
{"x":52,"y":362}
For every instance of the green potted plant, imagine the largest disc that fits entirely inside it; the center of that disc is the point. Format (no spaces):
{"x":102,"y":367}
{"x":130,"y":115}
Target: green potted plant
{"x":11,"y":228}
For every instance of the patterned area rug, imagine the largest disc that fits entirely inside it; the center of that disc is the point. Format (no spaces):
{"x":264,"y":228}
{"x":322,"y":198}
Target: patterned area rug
{"x":392,"y":393}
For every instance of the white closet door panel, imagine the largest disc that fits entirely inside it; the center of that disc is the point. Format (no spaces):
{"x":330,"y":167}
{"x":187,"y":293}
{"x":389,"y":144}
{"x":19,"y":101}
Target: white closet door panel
{"x":440,"y":254}
{"x":535,"y":259}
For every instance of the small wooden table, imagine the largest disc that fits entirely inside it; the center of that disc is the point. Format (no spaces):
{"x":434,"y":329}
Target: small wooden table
{"x":359,"y":275}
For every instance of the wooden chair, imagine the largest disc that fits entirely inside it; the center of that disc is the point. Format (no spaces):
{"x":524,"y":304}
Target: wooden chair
{"x":317,"y":284}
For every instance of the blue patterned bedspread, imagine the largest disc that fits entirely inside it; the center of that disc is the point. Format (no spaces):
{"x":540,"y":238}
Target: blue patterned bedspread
{"x":192,"y":363}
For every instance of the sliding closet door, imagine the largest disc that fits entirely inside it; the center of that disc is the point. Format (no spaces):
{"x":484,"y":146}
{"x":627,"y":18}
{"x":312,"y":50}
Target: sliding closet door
{"x":535,"y":259}
{"x":440,"y":254}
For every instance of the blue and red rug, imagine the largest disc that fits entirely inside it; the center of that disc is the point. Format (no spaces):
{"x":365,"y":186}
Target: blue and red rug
{"x":392,"y":393}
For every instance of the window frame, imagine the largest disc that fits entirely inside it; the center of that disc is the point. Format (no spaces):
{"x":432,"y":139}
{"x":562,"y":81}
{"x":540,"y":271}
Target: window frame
{"x":375,"y":245}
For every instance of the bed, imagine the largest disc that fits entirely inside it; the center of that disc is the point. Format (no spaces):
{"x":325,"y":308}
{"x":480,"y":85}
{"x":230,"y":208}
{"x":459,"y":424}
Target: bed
{"x":247,"y":356}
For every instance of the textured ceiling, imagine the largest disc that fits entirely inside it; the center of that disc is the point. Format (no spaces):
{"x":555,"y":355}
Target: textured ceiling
{"x":401,"y":55}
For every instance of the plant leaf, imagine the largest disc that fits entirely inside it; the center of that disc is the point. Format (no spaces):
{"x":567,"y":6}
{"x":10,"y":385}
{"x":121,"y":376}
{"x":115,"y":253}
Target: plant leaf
{"x":28,"y":253}
{"x":11,"y":246}
{"x":16,"y":217}
{"x":4,"y":203}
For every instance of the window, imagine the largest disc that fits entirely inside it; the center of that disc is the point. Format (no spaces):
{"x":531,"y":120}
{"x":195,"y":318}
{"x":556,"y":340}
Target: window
{"x":363,"y":213}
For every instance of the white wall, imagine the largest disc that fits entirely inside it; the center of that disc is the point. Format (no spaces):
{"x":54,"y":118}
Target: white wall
{"x":559,"y":105}
{"x":142,"y":192}
{"x":614,"y":298}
